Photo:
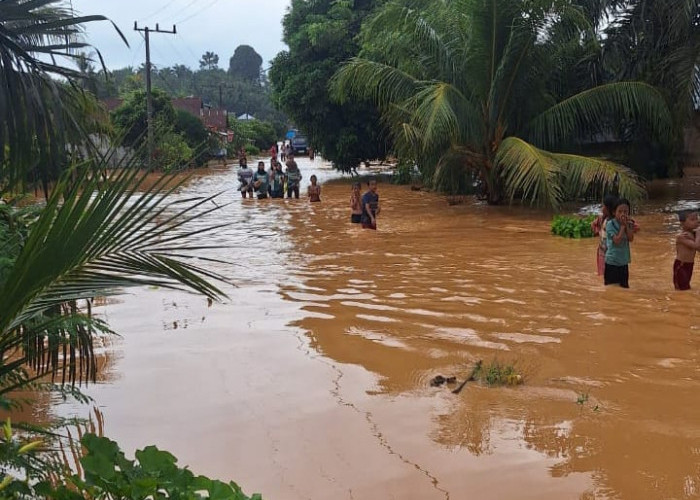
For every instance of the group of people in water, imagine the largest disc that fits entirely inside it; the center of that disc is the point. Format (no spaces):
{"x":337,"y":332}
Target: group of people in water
{"x":617,"y":230}
{"x":275,"y":182}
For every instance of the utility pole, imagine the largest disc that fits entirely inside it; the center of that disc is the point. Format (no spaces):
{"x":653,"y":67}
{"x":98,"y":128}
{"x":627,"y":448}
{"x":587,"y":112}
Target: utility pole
{"x":149,"y":97}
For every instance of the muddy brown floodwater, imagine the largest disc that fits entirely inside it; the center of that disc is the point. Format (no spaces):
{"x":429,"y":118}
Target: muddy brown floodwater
{"x":312,"y":381}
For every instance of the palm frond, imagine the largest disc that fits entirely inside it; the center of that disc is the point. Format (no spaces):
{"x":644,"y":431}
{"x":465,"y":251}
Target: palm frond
{"x":94,"y":238}
{"x":39,"y":114}
{"x":530,"y":174}
{"x":596,"y":177}
{"x":369,"y":80}
{"x":548,"y":179}
{"x":635,"y":103}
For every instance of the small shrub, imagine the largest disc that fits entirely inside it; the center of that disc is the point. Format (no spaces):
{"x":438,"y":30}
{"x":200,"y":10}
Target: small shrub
{"x":251,"y":150}
{"x":573,"y":227}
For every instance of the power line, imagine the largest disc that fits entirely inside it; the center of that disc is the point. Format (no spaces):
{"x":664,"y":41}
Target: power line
{"x":187,"y":46}
{"x":183,"y":9}
{"x":201,"y":11}
{"x":156,"y":12}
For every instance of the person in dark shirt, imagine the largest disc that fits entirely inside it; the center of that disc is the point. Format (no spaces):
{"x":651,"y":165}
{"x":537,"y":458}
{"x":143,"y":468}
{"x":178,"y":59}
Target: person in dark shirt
{"x":293,"y":177}
{"x":261,"y":180}
{"x":370,"y":206}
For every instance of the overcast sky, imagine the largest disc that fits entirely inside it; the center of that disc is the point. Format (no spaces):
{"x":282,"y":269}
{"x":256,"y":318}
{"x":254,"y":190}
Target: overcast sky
{"x":215,"y":25}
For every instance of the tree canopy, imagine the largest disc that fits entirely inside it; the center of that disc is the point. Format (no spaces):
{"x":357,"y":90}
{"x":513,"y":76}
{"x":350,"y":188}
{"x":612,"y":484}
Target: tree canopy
{"x":473,"y":87}
{"x":245,"y":64}
{"x":321,"y":35}
{"x":209,"y":61}
{"x":237,"y":95}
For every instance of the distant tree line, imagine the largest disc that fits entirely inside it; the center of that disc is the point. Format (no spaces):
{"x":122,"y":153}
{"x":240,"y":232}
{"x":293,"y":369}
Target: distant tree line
{"x":243,"y":88}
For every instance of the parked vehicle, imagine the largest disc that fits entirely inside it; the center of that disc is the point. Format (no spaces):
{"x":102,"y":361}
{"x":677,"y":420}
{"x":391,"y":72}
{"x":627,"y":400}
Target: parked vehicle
{"x":299,"y":145}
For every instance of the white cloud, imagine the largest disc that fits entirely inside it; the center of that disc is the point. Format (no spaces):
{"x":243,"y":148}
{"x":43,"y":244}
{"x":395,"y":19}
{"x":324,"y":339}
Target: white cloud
{"x":215,"y":25}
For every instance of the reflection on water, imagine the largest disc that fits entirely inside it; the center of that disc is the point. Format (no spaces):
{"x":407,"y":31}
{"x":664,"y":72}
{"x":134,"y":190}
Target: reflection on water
{"x":312,"y":381}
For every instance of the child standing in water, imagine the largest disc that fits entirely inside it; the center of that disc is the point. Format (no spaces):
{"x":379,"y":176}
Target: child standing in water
{"x":356,"y":204}
{"x":314,"y":191}
{"x":619,"y":234}
{"x":598,"y":227}
{"x":687,"y":244}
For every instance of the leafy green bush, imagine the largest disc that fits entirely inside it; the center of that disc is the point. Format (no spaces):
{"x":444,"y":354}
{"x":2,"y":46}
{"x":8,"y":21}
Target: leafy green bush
{"x":258,"y":133}
{"x":573,"y":227}
{"x":172,"y":152}
{"x":30,"y":469}
{"x":251,"y":150}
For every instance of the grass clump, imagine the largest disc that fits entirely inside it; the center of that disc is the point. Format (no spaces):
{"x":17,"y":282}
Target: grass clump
{"x":498,"y":374}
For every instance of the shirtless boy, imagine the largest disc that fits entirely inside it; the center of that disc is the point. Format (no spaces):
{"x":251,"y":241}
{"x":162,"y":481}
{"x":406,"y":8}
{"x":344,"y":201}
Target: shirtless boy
{"x":687,"y":244}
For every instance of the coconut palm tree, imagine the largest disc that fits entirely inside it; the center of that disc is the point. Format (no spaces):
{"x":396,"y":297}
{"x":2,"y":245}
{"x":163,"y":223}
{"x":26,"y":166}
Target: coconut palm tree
{"x":658,"y":42}
{"x":41,"y":103}
{"x":470,"y":86}
{"x":96,"y":235}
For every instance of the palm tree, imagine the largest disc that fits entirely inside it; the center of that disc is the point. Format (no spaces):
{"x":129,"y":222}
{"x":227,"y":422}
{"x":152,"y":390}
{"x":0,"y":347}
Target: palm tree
{"x":659,"y":43}
{"x":95,"y":236}
{"x":467,"y":86}
{"x":40,"y":97}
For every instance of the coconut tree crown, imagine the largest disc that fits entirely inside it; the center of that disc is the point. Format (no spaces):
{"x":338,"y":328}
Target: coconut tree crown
{"x":472,"y":86}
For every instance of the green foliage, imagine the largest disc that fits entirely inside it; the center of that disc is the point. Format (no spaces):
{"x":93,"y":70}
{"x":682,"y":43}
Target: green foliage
{"x":209,"y":61}
{"x":256,"y":133}
{"x":42,"y":105}
{"x":196,"y":136}
{"x":34,"y":464}
{"x":321,"y":35}
{"x":129,"y":119}
{"x":172,"y":152}
{"x":237,"y":95}
{"x":14,"y":229}
{"x":573,"y":227}
{"x":252,"y":150}
{"x":191,"y":128}
{"x":497,"y":374}
{"x":245,"y":64}
{"x":467,"y":89}
{"x":403,"y":174}
{"x":153,"y":474}
{"x":92,"y":238}
{"x":179,"y":136}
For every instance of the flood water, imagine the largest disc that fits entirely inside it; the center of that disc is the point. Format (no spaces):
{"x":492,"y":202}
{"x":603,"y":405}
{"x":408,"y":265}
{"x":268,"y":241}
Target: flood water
{"x":312,"y":380}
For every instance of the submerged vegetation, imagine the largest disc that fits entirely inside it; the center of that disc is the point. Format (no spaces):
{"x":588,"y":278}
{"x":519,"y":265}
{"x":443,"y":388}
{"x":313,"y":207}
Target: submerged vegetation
{"x":492,"y":374}
{"x":573,"y":227}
